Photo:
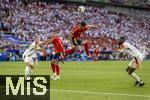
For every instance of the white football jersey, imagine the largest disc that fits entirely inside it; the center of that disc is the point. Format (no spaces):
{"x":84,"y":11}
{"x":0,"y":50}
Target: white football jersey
{"x":31,"y":50}
{"x":143,"y":50}
{"x":130,"y":49}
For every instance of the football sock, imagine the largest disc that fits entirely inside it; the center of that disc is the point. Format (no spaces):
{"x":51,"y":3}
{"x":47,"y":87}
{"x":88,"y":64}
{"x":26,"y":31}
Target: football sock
{"x":57,"y":69}
{"x":27,"y":71}
{"x":135,"y":76}
{"x":53,"y":67}
{"x":70,"y":51}
{"x":86,"y":47}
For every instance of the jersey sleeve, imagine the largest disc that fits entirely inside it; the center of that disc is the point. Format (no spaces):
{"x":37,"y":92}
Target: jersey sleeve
{"x":74,"y":29}
{"x":51,"y":40}
{"x":32,"y":46}
{"x":87,"y":27}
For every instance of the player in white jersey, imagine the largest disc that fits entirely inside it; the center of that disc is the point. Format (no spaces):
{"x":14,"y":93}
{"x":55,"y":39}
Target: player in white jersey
{"x":28,"y":57}
{"x":137,"y":59}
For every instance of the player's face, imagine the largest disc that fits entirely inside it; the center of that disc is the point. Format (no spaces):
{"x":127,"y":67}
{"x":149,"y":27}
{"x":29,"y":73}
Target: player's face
{"x":81,"y":27}
{"x":37,"y":40}
{"x":121,"y":41}
{"x":54,"y":34}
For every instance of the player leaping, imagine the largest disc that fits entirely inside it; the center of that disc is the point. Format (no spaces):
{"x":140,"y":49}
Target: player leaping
{"x":137,"y":59}
{"x":76,"y":37}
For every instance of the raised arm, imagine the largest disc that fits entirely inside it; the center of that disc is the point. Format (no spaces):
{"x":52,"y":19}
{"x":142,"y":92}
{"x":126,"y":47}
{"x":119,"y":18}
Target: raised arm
{"x":92,"y":26}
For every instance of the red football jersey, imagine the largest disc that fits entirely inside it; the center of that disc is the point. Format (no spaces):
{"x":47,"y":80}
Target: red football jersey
{"x":96,"y":51}
{"x":77,"y":32}
{"x":57,"y":43}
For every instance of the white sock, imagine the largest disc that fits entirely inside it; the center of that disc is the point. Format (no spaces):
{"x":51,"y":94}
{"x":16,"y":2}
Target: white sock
{"x":27,"y":71}
{"x":134,"y":75}
{"x":54,"y":74}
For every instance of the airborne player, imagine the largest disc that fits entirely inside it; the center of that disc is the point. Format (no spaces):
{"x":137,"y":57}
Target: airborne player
{"x":76,"y":37}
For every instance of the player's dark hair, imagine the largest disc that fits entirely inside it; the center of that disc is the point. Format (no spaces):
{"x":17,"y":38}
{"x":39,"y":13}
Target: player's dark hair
{"x":83,"y":24}
{"x":121,"y":40}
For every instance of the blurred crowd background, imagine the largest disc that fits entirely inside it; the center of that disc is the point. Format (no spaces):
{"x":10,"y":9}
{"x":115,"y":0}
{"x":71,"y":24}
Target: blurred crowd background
{"x":138,"y":3}
{"x":21,"y":22}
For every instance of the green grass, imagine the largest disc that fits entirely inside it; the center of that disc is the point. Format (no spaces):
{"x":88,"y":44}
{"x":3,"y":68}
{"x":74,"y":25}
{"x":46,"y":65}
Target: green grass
{"x":89,"y":80}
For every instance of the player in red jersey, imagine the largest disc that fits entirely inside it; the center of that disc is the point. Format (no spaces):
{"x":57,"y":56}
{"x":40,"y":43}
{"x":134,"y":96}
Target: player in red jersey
{"x":59,"y":49}
{"x":96,"y":53}
{"x":76,"y":35}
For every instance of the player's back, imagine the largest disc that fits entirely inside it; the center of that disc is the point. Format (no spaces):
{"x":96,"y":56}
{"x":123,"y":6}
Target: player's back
{"x":131,"y":49}
{"x":142,"y":49}
{"x":77,"y":31}
{"x":57,"y":43}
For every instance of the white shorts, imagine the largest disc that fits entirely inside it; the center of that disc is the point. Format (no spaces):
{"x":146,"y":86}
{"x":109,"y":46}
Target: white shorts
{"x":27,"y":59}
{"x":136,"y":62}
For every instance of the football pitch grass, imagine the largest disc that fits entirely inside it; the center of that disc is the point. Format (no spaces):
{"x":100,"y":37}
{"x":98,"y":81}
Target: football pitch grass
{"x":104,"y":80}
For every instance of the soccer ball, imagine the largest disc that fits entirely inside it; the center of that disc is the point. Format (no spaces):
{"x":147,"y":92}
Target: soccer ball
{"x":81,"y":9}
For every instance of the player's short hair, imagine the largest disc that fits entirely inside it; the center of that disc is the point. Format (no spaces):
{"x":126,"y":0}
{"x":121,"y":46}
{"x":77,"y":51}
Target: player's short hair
{"x":122,"y":39}
{"x":83,"y":24}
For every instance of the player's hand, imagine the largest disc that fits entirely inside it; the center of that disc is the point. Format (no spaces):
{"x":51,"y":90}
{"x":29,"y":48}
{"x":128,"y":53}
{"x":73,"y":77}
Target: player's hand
{"x":121,"y":55}
{"x":62,"y":59}
{"x":70,"y":35}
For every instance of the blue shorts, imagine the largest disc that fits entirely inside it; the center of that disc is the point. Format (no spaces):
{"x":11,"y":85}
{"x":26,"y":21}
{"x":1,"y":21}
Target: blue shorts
{"x":57,"y":56}
{"x":76,"y":41}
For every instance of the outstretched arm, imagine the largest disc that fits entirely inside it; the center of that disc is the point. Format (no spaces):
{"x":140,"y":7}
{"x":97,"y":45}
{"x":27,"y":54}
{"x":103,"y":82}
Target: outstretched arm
{"x":42,"y":44}
{"x":92,"y":26}
{"x":45,"y":42}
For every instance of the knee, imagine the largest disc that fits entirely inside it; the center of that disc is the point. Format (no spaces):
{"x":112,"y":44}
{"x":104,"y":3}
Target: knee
{"x":56,"y":62}
{"x":127,"y":69}
{"x":53,"y":62}
{"x":130,"y":70}
{"x":32,"y":67}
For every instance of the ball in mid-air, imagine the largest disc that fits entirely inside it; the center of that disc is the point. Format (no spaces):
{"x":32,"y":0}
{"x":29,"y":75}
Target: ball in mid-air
{"x":81,"y":9}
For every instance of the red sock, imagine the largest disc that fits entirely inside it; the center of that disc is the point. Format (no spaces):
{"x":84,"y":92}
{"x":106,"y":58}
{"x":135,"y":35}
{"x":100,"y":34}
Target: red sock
{"x":86,"y":47}
{"x":53,"y":67}
{"x":70,"y":51}
{"x":57,"y":69}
